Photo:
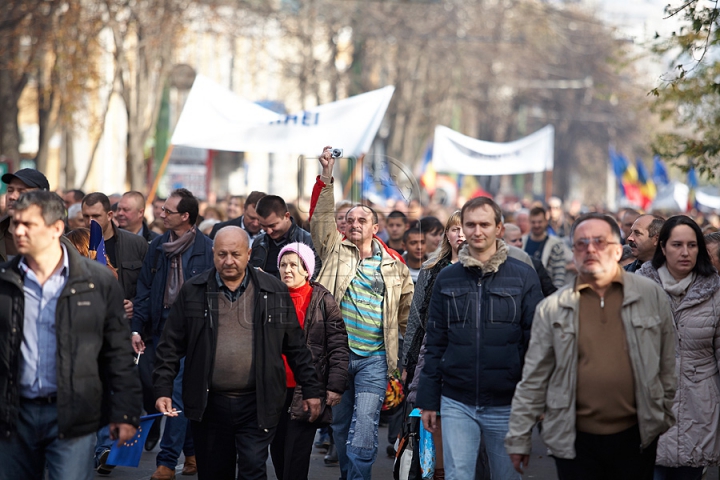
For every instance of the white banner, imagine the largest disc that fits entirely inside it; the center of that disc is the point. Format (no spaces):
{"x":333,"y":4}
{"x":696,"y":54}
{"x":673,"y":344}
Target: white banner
{"x":215,"y":118}
{"x":457,"y":153}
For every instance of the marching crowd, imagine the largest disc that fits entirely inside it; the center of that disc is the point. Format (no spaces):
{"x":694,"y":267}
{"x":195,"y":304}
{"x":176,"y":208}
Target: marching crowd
{"x":252,"y":332}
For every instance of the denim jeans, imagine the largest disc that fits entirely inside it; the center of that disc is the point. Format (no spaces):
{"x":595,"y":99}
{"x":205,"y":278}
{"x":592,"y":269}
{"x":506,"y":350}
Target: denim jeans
{"x":357,"y":416}
{"x":462,"y":426}
{"x":103,"y":443}
{"x":177,"y":436}
{"x":35,"y":445}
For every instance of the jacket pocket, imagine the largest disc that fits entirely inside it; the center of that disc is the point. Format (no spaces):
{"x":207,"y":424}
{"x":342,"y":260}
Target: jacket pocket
{"x":504,"y":305}
{"x":132,"y":265}
{"x":459,"y":307}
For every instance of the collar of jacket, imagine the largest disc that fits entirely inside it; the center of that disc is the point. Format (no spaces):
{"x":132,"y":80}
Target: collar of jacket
{"x":568,"y":297}
{"x":701,"y":289}
{"x":264,"y":282}
{"x":493,"y":263}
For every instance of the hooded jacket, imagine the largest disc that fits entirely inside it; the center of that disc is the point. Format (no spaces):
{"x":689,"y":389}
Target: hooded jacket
{"x":478,"y":330}
{"x":694,"y":441}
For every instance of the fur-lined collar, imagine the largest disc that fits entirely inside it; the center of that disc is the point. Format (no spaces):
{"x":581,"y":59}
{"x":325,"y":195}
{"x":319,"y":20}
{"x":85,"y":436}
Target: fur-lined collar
{"x":492,"y":265}
{"x":700,"y":290}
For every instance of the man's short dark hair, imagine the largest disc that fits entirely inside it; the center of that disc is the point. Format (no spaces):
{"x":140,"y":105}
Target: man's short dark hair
{"x":535,"y":211}
{"x":431,"y":225}
{"x":271,"y":204}
{"x":614,"y":228}
{"x":51,"y":205}
{"x":412,"y":231}
{"x":477,"y":202}
{"x":254,"y":198}
{"x":77,"y":194}
{"x":92,"y":198}
{"x":397,"y":214}
{"x":187,"y":204}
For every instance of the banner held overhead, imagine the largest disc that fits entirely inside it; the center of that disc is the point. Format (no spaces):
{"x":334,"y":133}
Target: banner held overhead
{"x":454,"y":152}
{"x":216,"y":118}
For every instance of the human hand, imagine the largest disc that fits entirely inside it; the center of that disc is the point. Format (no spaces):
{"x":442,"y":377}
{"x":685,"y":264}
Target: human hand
{"x":128,"y":306}
{"x":327,"y":162}
{"x":403,"y":377}
{"x":164,"y":405}
{"x":519,"y":462}
{"x":313,"y":406}
{"x":332,"y":398}
{"x":429,"y":419}
{"x":138,"y":344}
{"x":122,"y":432}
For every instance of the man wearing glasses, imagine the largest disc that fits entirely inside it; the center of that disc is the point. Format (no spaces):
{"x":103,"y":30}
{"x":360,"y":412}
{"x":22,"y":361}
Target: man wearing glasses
{"x":600,"y":369}
{"x":179,"y":254}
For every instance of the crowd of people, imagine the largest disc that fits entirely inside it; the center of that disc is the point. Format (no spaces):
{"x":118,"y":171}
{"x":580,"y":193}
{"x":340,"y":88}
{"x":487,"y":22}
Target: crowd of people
{"x":254,"y":328}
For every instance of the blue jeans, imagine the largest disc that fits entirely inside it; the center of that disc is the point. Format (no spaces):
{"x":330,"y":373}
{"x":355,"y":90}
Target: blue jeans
{"x":35,"y":445}
{"x":177,"y":436}
{"x":357,"y":416}
{"x":103,"y":443}
{"x":462,"y":426}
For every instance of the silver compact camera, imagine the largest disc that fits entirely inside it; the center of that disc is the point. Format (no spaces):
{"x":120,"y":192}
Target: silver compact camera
{"x":336,"y":152}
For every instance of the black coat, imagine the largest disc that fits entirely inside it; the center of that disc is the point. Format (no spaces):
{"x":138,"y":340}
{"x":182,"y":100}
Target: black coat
{"x":94,"y":353}
{"x":130,"y":250}
{"x":191,"y":332}
{"x":260,"y":246}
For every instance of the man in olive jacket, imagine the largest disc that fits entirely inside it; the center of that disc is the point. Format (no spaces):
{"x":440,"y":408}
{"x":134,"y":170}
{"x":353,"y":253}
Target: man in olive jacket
{"x":64,"y":346}
{"x":233,"y":323}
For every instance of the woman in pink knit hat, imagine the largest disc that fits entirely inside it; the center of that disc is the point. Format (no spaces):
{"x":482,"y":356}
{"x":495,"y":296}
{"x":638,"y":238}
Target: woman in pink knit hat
{"x":325,"y":335}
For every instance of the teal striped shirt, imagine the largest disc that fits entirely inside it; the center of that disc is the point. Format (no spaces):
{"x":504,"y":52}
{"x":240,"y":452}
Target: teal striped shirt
{"x":362,"y":308}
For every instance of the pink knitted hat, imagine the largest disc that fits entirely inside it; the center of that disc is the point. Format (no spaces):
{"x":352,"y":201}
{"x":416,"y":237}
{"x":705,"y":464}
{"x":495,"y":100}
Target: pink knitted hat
{"x":305,"y":253}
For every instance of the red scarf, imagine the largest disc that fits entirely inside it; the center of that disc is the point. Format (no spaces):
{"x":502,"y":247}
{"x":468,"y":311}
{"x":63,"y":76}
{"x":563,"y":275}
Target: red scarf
{"x":301,"y":299}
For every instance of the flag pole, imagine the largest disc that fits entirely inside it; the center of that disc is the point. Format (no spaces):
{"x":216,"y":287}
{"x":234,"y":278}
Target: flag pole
{"x":161,"y":171}
{"x":548,"y":185}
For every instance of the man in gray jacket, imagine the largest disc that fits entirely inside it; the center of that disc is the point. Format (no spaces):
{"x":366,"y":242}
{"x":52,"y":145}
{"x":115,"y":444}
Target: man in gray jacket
{"x":600,"y":369}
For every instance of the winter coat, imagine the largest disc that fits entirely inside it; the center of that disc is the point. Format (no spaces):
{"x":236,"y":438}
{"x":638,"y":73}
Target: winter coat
{"x":326,"y":337}
{"x":694,"y":441}
{"x":340,"y":259}
{"x":94,"y":353}
{"x":261,"y":245}
{"x":549,"y":382}
{"x":130,"y":250}
{"x":192,"y":333}
{"x":478,"y":330}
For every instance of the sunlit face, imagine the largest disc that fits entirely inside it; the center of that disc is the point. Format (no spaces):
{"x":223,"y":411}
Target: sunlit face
{"x":455,"y":236}
{"x":231,"y":254}
{"x":432,"y":240}
{"x":129,"y":214}
{"x":538,"y":225}
{"x":359,"y":225}
{"x":234,"y":208}
{"x":641,"y":243}
{"x":15,"y":188}
{"x":276,"y":226}
{"x":513,"y":238}
{"x":415,"y":246}
{"x":292,"y":270}
{"x":396,"y":228}
{"x":522,"y":220}
{"x":340,"y":219}
{"x":96,"y":212}
{"x":596,"y":252}
{"x":157,"y":208}
{"x":173,"y":219}
{"x":681,"y":251}
{"x":627,"y":222}
{"x":30,"y":233}
{"x":555,"y":212}
{"x":480,"y":228}
{"x":251,"y":220}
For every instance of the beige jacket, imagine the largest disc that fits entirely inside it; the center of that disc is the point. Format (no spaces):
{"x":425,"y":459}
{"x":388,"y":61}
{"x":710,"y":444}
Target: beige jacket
{"x":340,"y":259}
{"x":694,"y":441}
{"x":550,"y":373}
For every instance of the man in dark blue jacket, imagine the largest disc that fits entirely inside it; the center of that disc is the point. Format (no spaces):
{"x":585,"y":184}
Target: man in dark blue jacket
{"x":478,"y":330}
{"x":179,"y":254}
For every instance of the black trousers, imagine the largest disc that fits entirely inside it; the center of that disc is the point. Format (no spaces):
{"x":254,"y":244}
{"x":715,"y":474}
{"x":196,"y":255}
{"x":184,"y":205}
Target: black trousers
{"x":292,"y":446}
{"x":602,"y":457}
{"x":229,"y":430}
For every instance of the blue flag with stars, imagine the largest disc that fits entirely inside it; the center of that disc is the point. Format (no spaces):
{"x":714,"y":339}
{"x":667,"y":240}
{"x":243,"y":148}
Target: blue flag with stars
{"x":97,"y":243}
{"x":128,"y":454}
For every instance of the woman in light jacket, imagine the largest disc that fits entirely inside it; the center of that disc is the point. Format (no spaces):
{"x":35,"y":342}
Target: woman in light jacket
{"x":681,"y":265}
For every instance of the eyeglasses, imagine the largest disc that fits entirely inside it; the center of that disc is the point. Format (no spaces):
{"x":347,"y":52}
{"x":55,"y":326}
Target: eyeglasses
{"x":168,"y":211}
{"x":599,"y":243}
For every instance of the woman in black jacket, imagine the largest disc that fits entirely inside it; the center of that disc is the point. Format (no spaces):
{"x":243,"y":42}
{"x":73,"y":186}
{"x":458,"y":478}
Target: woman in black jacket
{"x":325,"y":335}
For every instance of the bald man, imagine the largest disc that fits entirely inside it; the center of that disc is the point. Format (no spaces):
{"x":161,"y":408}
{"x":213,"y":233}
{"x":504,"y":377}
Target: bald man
{"x":234,"y":406}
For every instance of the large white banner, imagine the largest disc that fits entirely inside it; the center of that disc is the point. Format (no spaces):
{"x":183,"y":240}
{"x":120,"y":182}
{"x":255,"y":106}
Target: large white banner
{"x":216,"y":118}
{"x":454,"y":152}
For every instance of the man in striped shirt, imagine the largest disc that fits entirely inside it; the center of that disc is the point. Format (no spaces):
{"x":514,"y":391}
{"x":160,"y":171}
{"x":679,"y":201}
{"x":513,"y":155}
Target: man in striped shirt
{"x":374,"y":289}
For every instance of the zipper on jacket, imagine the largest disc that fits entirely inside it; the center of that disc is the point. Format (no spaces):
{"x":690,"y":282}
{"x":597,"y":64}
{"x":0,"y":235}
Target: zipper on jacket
{"x":478,"y":323}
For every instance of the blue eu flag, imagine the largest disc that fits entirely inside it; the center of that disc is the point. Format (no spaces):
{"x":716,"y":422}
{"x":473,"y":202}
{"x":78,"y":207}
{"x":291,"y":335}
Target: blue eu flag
{"x":97,"y":243}
{"x":128,"y":454}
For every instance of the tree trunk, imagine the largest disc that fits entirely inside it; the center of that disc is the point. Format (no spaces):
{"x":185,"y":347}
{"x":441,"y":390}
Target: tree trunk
{"x":9,"y":130}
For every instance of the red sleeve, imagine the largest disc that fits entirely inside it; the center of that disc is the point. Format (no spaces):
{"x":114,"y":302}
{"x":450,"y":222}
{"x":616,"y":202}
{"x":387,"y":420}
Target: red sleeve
{"x":319,"y":185}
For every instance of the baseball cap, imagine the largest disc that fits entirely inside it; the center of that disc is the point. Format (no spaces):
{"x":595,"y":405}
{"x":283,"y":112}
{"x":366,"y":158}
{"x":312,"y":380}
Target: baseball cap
{"x":30,"y":177}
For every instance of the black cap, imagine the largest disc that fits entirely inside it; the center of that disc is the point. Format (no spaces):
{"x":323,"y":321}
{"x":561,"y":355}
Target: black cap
{"x":30,"y":177}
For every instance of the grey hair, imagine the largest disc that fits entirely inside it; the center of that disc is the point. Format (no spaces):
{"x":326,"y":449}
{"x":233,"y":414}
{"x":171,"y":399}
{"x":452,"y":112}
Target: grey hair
{"x":74,"y":209}
{"x":51,"y":205}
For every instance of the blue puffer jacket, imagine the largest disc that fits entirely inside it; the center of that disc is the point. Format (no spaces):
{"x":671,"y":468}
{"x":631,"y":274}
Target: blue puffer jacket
{"x":148,"y":304}
{"x":478,"y":330}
